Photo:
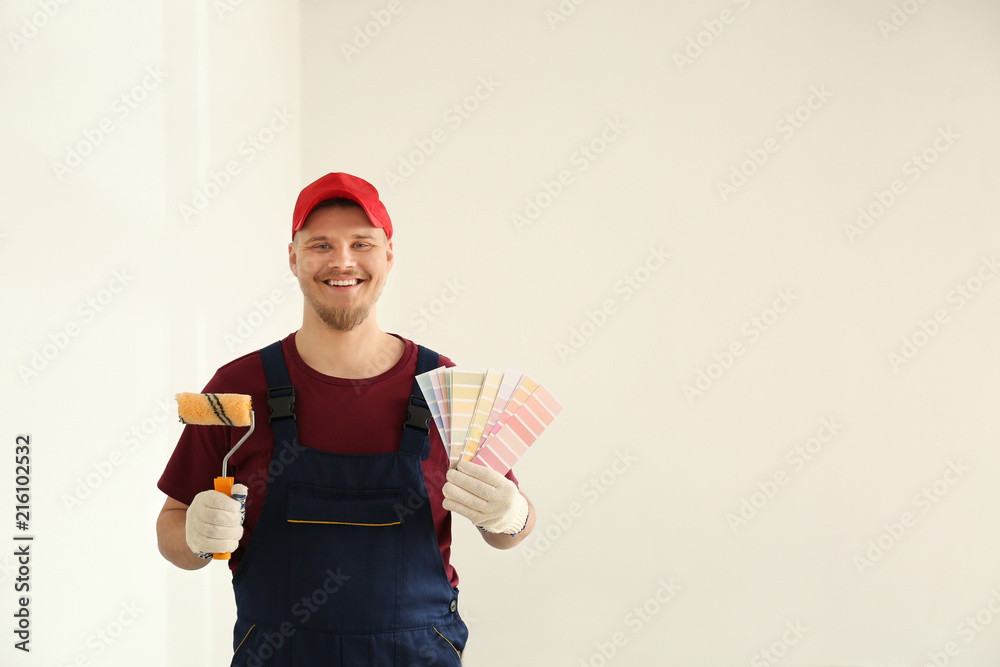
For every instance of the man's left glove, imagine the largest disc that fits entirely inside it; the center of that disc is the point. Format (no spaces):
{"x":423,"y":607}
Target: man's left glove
{"x":487,"y":498}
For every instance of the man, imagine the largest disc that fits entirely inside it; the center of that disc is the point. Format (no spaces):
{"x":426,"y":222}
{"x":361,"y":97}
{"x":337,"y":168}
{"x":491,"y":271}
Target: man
{"x":344,"y":553}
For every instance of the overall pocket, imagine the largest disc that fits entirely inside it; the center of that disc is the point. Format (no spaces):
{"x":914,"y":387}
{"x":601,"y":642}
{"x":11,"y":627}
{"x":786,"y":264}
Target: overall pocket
{"x":255,"y":645}
{"x":346,"y":549}
{"x":454,"y":635}
{"x":441,"y":645}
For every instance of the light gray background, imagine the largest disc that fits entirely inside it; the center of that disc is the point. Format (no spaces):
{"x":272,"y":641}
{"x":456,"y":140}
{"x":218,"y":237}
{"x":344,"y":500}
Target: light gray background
{"x":234,"y":69}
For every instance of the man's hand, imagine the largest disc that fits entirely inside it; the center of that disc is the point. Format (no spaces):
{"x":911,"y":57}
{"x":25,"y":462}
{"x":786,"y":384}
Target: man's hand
{"x":485,"y":497}
{"x":214,"y":522}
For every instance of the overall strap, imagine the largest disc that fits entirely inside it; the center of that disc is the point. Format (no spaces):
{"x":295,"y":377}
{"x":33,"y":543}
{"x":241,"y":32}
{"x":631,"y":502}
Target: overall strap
{"x":418,"y":416}
{"x":280,"y":394}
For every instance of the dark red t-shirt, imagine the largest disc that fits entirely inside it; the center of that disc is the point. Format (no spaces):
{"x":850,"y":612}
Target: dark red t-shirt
{"x":332,"y":414}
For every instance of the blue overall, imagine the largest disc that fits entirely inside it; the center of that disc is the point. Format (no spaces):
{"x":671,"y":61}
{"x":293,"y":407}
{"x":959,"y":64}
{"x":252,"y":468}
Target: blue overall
{"x":344,"y":566}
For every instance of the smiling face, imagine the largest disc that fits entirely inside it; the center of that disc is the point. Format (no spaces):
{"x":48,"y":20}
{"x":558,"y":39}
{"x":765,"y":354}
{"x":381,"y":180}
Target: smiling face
{"x":341,"y":261}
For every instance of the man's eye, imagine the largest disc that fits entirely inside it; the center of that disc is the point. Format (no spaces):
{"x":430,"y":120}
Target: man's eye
{"x":362,"y":245}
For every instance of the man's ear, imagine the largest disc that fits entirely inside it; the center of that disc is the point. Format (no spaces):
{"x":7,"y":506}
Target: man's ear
{"x":292,"y":259}
{"x":389,"y":255}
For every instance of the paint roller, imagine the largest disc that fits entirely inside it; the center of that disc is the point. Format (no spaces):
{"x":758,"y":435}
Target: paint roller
{"x":218,"y":410}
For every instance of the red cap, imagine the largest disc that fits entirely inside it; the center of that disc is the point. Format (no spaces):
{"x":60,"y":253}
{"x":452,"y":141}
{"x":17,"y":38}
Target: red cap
{"x":337,"y":185}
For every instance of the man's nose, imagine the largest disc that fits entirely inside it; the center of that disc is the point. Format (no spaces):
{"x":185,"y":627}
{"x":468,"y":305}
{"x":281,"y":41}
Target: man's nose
{"x":340,"y":257}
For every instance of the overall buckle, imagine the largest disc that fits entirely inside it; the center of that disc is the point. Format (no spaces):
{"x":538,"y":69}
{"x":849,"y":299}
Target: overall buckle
{"x":418,"y":417}
{"x":282,"y":407}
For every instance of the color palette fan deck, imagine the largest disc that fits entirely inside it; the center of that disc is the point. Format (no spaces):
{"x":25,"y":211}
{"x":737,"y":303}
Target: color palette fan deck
{"x":489,"y":418}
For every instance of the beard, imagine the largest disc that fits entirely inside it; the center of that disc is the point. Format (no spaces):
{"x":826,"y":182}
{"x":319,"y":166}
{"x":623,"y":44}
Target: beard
{"x":342,"y":319}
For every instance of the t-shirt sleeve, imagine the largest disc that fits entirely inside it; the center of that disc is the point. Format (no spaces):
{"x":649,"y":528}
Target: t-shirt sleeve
{"x":197,"y":458}
{"x":436,"y":437}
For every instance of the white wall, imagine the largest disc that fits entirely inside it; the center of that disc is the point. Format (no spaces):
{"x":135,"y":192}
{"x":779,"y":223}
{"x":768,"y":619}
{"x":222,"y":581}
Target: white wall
{"x":655,"y":186}
{"x":693,"y":460}
{"x":100,"y":437}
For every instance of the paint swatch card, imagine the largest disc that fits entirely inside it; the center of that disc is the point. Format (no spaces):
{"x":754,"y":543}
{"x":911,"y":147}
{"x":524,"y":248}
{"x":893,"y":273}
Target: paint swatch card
{"x":464,"y":389}
{"x":508,"y":384}
{"x":484,"y":405}
{"x":429,"y":384}
{"x":522,"y":427}
{"x":522,"y":391}
{"x":489,"y":418}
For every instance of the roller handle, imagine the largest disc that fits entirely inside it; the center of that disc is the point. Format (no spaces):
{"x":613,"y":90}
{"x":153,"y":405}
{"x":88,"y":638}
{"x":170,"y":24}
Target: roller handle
{"x":223,"y":485}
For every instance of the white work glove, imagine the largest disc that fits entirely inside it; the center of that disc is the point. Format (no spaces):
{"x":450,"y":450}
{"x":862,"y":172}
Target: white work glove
{"x":214,"y":523}
{"x":485,"y":497}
